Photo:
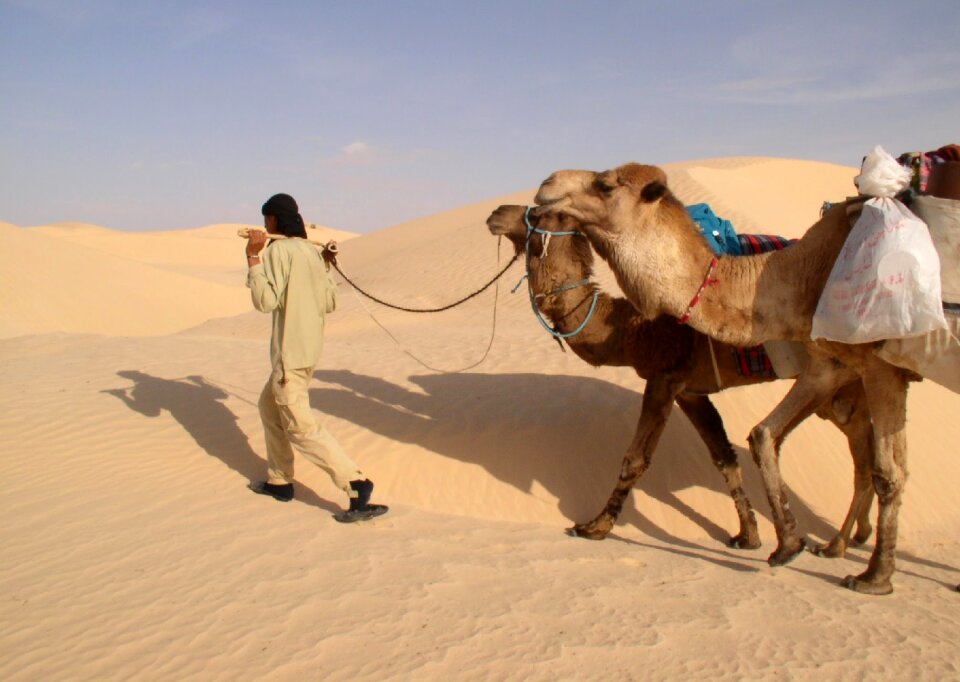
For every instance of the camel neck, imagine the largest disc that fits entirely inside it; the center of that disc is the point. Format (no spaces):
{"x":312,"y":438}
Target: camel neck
{"x":665,"y":267}
{"x":568,"y":307}
{"x":726,"y":308}
{"x":601,"y":324}
{"x":709,"y":280}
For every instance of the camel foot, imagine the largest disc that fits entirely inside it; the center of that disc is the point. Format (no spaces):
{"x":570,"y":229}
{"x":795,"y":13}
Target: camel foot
{"x":586,"y":530}
{"x":596,"y":529}
{"x":861,"y":537}
{"x":832,"y":550}
{"x":744,"y":540}
{"x":785,"y":553}
{"x":875,"y":587}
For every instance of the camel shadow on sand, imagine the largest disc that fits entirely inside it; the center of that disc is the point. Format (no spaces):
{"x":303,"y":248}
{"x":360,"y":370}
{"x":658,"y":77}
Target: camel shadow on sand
{"x":565,"y":433}
{"x":199,"y":407}
{"x":568,"y":434}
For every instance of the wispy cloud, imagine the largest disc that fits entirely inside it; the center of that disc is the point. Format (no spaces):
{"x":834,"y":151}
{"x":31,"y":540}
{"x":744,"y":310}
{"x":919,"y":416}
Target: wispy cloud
{"x":782,"y":63}
{"x":763,"y":85}
{"x":358,"y":149}
{"x":358,"y":153}
{"x":817,"y":90}
{"x":363,"y":153}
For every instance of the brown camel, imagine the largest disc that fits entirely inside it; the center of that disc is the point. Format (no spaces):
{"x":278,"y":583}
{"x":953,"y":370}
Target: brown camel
{"x":665,"y":266}
{"x":678,"y":363}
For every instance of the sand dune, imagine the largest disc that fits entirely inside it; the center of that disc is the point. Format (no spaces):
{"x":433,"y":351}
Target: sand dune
{"x":785,"y":196}
{"x":132,"y":366}
{"x":79,"y":278}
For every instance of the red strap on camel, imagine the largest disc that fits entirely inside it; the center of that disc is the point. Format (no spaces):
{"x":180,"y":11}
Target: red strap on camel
{"x":707,"y":281}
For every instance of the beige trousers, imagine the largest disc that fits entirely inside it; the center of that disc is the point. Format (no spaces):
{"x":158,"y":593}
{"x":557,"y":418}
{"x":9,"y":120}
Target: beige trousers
{"x":288,"y":422}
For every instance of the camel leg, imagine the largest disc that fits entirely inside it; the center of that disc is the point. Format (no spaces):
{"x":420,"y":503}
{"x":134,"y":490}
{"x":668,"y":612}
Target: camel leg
{"x":708,"y":423}
{"x":886,"y":389}
{"x":815,"y":385}
{"x":864,"y":527}
{"x":849,"y":411}
{"x":859,"y":512}
{"x":658,"y":400}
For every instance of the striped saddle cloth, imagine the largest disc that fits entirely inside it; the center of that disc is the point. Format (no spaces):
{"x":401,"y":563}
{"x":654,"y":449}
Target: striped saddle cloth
{"x":761,"y":243}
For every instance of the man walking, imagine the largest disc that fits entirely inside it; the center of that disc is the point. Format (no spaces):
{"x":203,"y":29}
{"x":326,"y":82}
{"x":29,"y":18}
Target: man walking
{"x":291,"y":279}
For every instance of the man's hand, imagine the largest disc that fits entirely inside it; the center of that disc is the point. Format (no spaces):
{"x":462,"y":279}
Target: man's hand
{"x":329,"y":252}
{"x":256,"y":241}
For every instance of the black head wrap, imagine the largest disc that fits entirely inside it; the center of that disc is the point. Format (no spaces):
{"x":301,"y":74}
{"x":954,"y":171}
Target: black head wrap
{"x":285,"y":209}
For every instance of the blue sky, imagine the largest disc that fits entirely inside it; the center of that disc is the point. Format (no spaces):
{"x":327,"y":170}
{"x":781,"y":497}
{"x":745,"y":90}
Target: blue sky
{"x":170,"y":115}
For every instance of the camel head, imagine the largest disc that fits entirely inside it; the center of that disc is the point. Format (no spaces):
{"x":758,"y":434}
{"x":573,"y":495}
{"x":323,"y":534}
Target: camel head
{"x":508,"y":221}
{"x":629,"y":215}
{"x":606,"y":200}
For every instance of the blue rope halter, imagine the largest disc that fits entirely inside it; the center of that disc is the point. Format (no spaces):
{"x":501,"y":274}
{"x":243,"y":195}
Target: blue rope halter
{"x":533,"y":303}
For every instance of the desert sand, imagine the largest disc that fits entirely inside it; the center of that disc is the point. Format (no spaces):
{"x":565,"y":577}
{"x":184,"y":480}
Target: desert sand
{"x":133,"y":549}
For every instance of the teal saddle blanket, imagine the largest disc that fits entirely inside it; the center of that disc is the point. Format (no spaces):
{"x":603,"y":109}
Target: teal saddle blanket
{"x":724,"y":240}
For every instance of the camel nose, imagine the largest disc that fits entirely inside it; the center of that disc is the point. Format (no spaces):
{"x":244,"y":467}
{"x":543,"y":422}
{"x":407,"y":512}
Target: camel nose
{"x":496,"y":215}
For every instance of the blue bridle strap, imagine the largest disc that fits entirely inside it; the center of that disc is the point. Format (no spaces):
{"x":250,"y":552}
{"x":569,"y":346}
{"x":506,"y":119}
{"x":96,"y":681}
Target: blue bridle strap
{"x":533,"y":303}
{"x":531,"y":229}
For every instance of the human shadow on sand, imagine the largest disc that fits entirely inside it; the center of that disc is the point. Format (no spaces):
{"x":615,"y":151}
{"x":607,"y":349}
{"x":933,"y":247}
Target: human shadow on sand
{"x":198,"y":406}
{"x":567,"y":433}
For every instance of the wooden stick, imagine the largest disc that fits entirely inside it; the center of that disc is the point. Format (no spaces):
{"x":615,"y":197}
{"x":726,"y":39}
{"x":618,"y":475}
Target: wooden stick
{"x":245,"y":233}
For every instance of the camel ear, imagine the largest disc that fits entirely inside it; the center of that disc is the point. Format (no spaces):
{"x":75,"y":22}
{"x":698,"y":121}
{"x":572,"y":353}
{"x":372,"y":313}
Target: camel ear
{"x":653,"y":191}
{"x":650,"y":182}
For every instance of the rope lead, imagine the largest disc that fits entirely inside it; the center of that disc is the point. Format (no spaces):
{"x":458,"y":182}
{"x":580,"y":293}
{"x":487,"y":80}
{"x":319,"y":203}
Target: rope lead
{"x":428,"y":310}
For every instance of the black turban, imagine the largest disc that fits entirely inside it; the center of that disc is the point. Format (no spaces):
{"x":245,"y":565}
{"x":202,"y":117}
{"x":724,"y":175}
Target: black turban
{"x":287,"y":213}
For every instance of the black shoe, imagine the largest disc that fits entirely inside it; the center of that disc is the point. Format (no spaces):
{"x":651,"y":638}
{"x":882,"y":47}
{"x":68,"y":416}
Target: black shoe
{"x":353,"y":515}
{"x":282,"y":492}
{"x":360,"y":507}
{"x":363,"y":489}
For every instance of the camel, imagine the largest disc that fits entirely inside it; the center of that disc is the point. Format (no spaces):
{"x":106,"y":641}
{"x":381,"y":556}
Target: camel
{"x":679,"y":365}
{"x":665,"y":266}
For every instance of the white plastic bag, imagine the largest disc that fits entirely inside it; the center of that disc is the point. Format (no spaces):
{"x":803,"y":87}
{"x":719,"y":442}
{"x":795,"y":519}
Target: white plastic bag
{"x":881,"y":175}
{"x":885,"y":284}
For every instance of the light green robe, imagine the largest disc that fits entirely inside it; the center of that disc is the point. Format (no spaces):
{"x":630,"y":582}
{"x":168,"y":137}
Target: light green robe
{"x":293,"y":282}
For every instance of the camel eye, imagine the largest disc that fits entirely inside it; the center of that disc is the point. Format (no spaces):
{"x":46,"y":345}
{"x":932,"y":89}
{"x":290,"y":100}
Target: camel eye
{"x":603,"y":185}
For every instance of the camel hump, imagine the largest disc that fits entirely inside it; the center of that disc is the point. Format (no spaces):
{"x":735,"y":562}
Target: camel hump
{"x":852,"y":205}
